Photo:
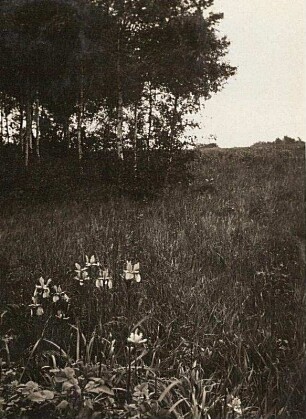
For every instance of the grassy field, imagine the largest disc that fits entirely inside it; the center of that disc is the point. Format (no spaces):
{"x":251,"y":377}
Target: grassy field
{"x":220,"y":302}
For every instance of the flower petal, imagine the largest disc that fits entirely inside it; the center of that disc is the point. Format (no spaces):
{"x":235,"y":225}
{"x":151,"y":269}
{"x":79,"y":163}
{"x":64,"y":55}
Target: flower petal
{"x":40,"y":311}
{"x":46,"y":293}
{"x":66,"y":298}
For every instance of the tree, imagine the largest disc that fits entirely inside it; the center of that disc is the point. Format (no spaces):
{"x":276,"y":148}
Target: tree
{"x":144,"y":64}
{"x":160,"y":47}
{"x":185,"y":60}
{"x":43,"y":43}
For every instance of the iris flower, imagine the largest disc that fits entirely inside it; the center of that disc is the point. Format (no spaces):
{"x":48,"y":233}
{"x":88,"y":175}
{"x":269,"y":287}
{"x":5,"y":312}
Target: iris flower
{"x":43,"y":287}
{"x":59,"y":294}
{"x":36,"y":307}
{"x":235,"y":405}
{"x":132,"y":272}
{"x":136,"y":338}
{"x":81,"y":274}
{"x":91,"y":261}
{"x":104,"y":280}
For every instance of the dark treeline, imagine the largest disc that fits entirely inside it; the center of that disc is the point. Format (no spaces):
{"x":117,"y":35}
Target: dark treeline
{"x":111,"y":76}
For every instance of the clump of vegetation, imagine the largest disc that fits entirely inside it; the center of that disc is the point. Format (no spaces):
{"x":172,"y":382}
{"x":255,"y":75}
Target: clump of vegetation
{"x":285,"y":142}
{"x":209,"y":324}
{"x":80,"y":77}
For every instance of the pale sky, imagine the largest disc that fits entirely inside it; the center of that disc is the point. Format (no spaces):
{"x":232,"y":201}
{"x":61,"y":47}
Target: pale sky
{"x":266,"y":99}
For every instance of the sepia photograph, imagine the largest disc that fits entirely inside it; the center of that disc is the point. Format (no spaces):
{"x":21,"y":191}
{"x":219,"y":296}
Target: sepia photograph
{"x":152,"y":209}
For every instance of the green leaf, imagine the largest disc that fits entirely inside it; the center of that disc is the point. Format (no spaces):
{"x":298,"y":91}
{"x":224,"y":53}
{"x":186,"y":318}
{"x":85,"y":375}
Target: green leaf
{"x":41,"y":396}
{"x":100,"y":389}
{"x":167,"y":389}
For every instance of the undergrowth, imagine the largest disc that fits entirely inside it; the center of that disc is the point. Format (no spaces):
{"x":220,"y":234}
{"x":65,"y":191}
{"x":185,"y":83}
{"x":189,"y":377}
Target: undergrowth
{"x":213,"y":326}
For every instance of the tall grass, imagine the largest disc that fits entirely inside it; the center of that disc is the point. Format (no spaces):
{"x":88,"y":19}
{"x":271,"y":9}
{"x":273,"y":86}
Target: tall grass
{"x":222,"y":265}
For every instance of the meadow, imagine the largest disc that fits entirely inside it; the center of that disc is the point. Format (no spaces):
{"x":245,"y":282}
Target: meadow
{"x":209,"y":325}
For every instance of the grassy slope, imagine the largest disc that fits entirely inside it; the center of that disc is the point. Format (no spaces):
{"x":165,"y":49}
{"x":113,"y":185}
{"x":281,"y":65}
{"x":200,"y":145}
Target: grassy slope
{"x":221,"y":261}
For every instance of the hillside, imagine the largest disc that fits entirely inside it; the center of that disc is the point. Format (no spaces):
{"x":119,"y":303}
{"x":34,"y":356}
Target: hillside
{"x":221,"y":297}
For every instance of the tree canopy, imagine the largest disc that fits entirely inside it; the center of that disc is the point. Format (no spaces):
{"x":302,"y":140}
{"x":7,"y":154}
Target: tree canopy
{"x":136,"y":66}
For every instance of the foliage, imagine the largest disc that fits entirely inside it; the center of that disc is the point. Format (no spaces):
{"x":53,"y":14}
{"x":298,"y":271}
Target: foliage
{"x":134,"y":69}
{"x":56,"y":177}
{"x":286,"y":141}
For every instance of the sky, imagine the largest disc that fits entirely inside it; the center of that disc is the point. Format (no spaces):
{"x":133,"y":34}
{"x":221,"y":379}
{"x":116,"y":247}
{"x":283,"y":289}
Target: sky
{"x":266,"y":99}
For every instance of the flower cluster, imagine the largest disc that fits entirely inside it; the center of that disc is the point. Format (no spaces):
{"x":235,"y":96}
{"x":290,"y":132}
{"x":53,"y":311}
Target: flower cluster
{"x":92,"y":271}
{"x":46,"y":295}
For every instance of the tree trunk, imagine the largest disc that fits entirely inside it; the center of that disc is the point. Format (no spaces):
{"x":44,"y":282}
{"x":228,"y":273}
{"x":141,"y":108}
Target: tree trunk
{"x":2,"y":125}
{"x":21,"y":137}
{"x":120,"y":126}
{"x":28,"y":138}
{"x":31,"y":136}
{"x":37,"y":144}
{"x":150,"y":117}
{"x":7,"y":126}
{"x":174,"y":119}
{"x":67,"y":133}
{"x":135,"y":140}
{"x":120,"y":105}
{"x":80,"y":122}
{"x":1,"y":122}
{"x":79,"y":132}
